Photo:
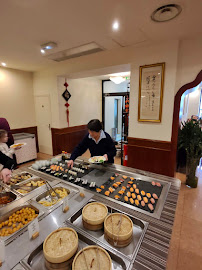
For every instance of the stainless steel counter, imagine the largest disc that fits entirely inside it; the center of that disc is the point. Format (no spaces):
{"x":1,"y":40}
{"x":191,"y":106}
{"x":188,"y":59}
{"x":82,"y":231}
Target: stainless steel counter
{"x":153,"y":250}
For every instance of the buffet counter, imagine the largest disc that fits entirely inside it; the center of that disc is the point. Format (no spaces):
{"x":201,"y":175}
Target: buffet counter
{"x":131,"y":192}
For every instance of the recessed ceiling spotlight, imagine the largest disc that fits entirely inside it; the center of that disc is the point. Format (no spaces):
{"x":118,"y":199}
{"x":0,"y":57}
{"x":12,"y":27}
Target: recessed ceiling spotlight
{"x":3,"y":64}
{"x":115,"y":25}
{"x":48,"y":46}
{"x":166,"y":13}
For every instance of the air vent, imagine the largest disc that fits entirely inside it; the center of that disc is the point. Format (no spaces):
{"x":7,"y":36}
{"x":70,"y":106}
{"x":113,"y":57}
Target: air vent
{"x":75,"y":52}
{"x":166,"y":13}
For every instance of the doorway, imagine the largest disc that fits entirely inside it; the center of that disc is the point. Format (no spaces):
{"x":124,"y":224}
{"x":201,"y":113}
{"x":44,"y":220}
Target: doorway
{"x":115,"y":112}
{"x":43,"y":121}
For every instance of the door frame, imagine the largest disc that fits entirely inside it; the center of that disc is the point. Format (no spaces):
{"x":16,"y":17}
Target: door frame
{"x":175,"y":125}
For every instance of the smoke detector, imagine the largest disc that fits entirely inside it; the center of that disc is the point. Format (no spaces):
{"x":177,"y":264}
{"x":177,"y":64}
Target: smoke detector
{"x":166,"y":13}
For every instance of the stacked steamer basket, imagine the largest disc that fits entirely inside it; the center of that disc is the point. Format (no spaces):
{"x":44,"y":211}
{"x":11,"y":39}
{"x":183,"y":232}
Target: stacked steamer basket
{"x":59,"y":249}
{"x":93,"y":216}
{"x":118,"y":230}
{"x":93,"y":258}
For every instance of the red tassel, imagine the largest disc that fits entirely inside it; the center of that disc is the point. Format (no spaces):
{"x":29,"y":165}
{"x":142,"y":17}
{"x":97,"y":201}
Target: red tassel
{"x":67,"y":105}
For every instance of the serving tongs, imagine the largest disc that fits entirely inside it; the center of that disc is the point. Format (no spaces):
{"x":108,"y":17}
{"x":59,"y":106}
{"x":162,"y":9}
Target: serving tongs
{"x":50,"y":190}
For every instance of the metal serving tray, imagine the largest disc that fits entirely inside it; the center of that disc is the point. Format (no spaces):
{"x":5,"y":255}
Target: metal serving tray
{"x":36,"y":261}
{"x":3,"y":218}
{"x":130,"y":251}
{"x":42,"y":196}
{"x":35,"y":179}
{"x":21,"y":181}
{"x":10,"y":194}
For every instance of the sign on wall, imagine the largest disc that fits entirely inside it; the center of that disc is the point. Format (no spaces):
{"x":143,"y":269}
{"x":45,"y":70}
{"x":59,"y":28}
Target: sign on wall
{"x":151,"y":82}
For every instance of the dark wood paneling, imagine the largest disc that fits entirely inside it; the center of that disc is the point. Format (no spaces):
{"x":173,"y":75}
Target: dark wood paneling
{"x":150,"y":155}
{"x":65,"y":139}
{"x":32,"y":130}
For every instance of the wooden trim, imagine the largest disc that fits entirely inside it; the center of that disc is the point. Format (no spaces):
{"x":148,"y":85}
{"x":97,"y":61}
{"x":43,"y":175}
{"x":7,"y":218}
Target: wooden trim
{"x":65,"y":139}
{"x":150,"y":155}
{"x":175,"y":126}
{"x":146,"y":143}
{"x":32,"y":130}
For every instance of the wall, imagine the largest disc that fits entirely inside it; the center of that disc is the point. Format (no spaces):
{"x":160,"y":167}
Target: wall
{"x":189,"y":61}
{"x":85,"y":102}
{"x":17,"y":100}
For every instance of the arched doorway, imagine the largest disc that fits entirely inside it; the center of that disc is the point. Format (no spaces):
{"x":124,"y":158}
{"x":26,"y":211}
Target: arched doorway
{"x":176,"y":111}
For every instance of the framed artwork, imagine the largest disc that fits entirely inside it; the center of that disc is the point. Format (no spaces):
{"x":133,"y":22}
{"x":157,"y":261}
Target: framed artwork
{"x":151,"y":83}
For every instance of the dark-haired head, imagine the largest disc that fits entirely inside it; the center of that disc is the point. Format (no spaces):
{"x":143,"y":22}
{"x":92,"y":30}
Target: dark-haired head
{"x":94,"y":125}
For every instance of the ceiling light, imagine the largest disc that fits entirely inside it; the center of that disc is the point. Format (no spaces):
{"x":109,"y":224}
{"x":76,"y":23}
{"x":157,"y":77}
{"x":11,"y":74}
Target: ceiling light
{"x":3,"y":64}
{"x":115,"y":25}
{"x":48,"y":46}
{"x":117,"y":80}
{"x":166,"y":13}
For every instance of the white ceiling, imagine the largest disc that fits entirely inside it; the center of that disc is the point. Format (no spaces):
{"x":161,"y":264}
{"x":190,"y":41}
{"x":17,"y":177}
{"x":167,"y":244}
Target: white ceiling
{"x":26,"y":24}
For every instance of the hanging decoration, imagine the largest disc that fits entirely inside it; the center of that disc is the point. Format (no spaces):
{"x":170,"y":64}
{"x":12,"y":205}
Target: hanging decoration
{"x":66,"y":95}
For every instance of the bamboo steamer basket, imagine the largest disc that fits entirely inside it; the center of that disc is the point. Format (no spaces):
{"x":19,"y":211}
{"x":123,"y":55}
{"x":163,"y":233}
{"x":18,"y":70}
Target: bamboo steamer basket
{"x":117,"y":238}
{"x":88,"y":256}
{"x":58,"y":262}
{"x":93,"y":223}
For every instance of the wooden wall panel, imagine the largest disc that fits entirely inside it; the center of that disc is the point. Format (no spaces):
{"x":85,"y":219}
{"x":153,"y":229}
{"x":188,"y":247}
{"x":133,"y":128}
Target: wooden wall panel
{"x":150,"y":155}
{"x":32,"y":130}
{"x":65,"y":139}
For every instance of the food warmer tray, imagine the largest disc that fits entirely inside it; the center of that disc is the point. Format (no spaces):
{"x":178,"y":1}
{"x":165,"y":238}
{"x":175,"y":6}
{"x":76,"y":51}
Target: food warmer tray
{"x":23,"y":180}
{"x":38,"y":189}
{"x":73,"y":190}
{"x":101,"y":177}
{"x":9,"y":194}
{"x":10,"y":238}
{"x":35,"y":260}
{"x":130,"y":251}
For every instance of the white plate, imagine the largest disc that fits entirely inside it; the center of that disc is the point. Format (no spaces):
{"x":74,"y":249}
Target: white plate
{"x":17,"y":145}
{"x":97,"y":159}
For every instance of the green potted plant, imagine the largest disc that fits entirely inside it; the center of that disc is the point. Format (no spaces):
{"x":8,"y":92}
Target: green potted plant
{"x":190,"y":138}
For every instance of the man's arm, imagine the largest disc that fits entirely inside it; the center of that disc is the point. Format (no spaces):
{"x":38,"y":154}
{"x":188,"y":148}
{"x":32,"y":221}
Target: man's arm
{"x":80,"y":148}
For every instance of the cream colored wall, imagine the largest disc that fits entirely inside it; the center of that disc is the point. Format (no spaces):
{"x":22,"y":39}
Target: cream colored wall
{"x":183,"y":63}
{"x":16,"y":98}
{"x":189,"y":61}
{"x":155,"y":131}
{"x":85,"y":102}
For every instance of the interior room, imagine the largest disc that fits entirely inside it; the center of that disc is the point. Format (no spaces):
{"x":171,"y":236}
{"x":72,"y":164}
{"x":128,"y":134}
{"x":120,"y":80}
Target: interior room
{"x":100,"y":135}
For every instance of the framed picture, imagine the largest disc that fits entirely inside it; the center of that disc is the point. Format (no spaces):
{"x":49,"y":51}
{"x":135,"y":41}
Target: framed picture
{"x":151,"y":84}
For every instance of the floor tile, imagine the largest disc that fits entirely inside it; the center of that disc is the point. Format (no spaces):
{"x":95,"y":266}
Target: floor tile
{"x":189,"y":260}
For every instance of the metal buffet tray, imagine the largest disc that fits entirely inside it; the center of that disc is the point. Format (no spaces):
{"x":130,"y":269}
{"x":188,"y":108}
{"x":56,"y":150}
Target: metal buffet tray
{"x":35,"y":179}
{"x":11,"y":237}
{"x":35,"y":260}
{"x":10,"y":194}
{"x":42,"y":196}
{"x":130,"y":251}
{"x":22,"y":181}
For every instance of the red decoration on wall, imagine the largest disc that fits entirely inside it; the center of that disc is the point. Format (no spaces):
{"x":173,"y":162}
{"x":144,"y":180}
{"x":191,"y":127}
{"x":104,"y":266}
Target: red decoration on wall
{"x":67,"y":105}
{"x":66,"y":95}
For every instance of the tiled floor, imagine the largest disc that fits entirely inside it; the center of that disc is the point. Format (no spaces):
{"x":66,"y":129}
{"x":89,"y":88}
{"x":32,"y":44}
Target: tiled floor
{"x":186,"y":243}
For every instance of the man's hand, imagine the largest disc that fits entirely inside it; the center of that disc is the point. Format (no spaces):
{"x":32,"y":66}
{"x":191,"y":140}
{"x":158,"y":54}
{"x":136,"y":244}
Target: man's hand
{"x":106,"y":156}
{"x":70,"y":164}
{"x":5,"y":175}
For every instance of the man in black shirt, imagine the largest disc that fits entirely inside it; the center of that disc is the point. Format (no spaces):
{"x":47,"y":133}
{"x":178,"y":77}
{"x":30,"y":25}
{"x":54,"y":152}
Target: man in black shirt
{"x":97,"y":141}
{"x":8,"y":164}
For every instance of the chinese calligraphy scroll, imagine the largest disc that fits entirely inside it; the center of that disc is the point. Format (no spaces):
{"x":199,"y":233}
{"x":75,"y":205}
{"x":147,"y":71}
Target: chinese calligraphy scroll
{"x":151,"y":92}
